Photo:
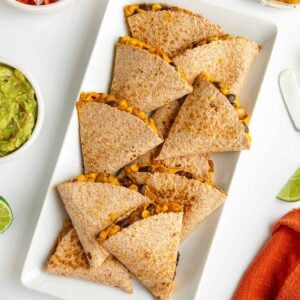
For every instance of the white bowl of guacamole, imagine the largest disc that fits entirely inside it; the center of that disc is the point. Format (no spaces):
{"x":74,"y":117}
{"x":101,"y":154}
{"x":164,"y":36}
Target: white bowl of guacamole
{"x":21,"y":110}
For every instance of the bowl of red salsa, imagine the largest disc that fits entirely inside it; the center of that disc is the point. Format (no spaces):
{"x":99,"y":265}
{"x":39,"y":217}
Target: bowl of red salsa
{"x":39,"y":6}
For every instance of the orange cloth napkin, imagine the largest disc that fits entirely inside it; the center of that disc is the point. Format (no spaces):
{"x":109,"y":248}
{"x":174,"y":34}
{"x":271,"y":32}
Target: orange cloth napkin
{"x":275,"y":272}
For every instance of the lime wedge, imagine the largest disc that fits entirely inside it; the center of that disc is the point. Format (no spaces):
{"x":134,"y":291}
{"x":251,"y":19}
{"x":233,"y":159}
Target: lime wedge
{"x":6,"y":216}
{"x":291,"y":190}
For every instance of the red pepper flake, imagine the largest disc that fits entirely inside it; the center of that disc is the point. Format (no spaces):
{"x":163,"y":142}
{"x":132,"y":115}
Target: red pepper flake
{"x":35,"y":2}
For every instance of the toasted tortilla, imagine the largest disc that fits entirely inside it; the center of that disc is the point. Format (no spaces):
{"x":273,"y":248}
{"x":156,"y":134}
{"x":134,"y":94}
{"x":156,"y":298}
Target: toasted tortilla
{"x":163,"y":118}
{"x":92,"y":206}
{"x":146,"y":79}
{"x":174,"y":30}
{"x":69,"y":259}
{"x":199,"y":199}
{"x":207,"y":122}
{"x":149,"y":249}
{"x":227,"y":61}
{"x":198,"y":164}
{"x":111,"y":138}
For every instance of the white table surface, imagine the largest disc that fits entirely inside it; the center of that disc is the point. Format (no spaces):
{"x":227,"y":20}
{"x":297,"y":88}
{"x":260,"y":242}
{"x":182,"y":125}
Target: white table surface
{"x":55,"y":48}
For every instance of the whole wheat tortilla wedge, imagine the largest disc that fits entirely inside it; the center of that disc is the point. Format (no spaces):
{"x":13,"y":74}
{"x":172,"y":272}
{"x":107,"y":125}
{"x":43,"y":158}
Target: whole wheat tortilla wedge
{"x":92,"y":206}
{"x":227,"y":61}
{"x":149,"y":249}
{"x":163,"y":118}
{"x":207,"y":122}
{"x":200,"y":165}
{"x":199,"y":199}
{"x":69,"y":259}
{"x":111,"y":138}
{"x":173,"y":30}
{"x":146,"y":79}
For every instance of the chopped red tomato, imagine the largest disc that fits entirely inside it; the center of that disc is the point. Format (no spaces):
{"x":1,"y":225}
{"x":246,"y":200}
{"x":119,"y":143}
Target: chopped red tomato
{"x":34,"y":2}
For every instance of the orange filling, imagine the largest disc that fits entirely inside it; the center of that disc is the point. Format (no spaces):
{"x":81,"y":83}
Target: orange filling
{"x":124,"y":181}
{"x":142,"y":212}
{"x":163,"y":169}
{"x":144,"y":7}
{"x":119,"y":103}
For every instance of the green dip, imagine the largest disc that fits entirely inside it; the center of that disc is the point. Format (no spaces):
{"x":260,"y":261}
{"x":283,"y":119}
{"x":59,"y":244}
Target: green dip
{"x":18,"y":109}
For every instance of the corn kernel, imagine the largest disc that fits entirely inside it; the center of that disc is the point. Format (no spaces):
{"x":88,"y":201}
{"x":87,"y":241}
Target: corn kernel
{"x":134,"y":168}
{"x":143,"y":115}
{"x":176,"y":207}
{"x":152,"y":125}
{"x":133,"y":187}
{"x":130,"y":9}
{"x":242,"y":113}
{"x":113,"y":229}
{"x":113,"y":180}
{"x":213,"y":38}
{"x":81,"y":178}
{"x":102,"y":236}
{"x":156,"y":6}
{"x":123,"y":104}
{"x":145,"y":213}
{"x":92,"y":176}
{"x":164,"y":208}
{"x":101,"y":178}
{"x":224,"y":90}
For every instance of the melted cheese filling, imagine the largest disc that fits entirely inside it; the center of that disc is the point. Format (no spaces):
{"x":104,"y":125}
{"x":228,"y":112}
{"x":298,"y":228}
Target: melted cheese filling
{"x":121,"y":104}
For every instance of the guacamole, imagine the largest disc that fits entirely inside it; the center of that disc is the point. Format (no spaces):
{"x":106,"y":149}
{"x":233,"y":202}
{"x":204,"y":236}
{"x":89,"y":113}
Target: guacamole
{"x":18,"y":109}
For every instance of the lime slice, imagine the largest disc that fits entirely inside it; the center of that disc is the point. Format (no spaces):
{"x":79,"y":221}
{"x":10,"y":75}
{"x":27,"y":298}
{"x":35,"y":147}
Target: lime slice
{"x":291,"y":190}
{"x":6,"y":216}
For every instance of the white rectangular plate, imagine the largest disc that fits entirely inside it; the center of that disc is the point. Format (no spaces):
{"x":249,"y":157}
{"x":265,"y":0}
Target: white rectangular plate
{"x":97,"y":77}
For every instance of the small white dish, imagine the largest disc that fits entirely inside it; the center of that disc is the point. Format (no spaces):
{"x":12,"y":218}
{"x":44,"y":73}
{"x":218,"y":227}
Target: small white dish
{"x":277,"y":4}
{"x":60,"y":4}
{"x":40,"y":115}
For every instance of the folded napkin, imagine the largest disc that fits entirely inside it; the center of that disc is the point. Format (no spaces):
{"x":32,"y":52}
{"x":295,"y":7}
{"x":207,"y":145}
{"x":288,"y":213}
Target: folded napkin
{"x":275,"y":272}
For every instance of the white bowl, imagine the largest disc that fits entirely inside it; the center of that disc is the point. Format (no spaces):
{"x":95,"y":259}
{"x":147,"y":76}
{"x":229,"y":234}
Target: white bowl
{"x":40,"y":114}
{"x":277,"y":4}
{"x":60,"y":4}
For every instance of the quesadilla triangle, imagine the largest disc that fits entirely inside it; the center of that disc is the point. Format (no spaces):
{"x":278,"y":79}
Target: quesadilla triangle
{"x":198,"y":164}
{"x":146,"y":242}
{"x":171,"y":28}
{"x":199,"y":197}
{"x":146,"y":76}
{"x":163,"y":118}
{"x":225,"y":59}
{"x":210,"y":120}
{"x":112,"y":133}
{"x":92,"y":206}
{"x":69,"y":259}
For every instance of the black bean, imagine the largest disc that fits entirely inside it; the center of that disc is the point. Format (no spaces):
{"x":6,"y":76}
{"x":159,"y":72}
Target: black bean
{"x":151,"y":207}
{"x":231,"y":97}
{"x":125,"y":181}
{"x":123,"y":223}
{"x":145,"y":6}
{"x":173,"y":65}
{"x":185,"y":174}
{"x":112,"y":103}
{"x":142,"y":189}
{"x":246,"y":127}
{"x":217,"y":84}
{"x":195,"y":44}
{"x":145,"y":169}
{"x":177,"y":259}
